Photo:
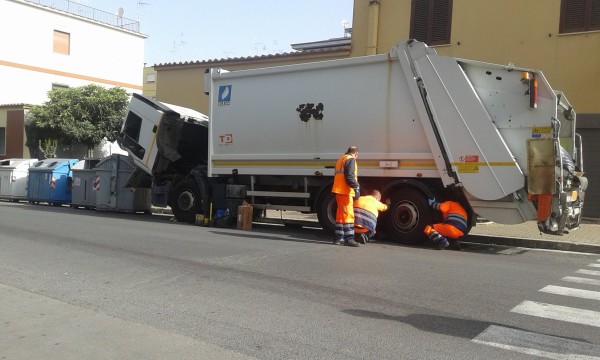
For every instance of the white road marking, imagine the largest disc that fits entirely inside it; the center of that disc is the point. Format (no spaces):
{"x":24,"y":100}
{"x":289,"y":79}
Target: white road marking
{"x":551,"y":347}
{"x":594,"y":265}
{"x":588,"y":272}
{"x":581,"y":280}
{"x":560,"y":290}
{"x":557,"y":312}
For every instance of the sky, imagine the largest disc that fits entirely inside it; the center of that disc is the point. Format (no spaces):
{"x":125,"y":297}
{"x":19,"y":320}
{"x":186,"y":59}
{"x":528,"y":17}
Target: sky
{"x":190,"y":30}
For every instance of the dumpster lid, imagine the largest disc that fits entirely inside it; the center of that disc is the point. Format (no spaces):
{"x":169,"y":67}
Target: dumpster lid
{"x":52,"y":163}
{"x":15,"y":163}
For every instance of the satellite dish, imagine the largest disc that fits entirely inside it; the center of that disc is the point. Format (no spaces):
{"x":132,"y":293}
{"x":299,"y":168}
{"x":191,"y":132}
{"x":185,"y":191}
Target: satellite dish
{"x":120,"y":12}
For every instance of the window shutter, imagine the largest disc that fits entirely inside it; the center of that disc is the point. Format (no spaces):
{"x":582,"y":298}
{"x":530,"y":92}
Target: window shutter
{"x":420,"y":20}
{"x":440,"y":22}
{"x":595,"y":15}
{"x":572,"y":16}
{"x":431,"y":21}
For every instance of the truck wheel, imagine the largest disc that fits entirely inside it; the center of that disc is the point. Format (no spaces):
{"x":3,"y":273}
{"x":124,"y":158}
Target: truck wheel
{"x":407,"y":216}
{"x":186,"y":201}
{"x":326,"y":209}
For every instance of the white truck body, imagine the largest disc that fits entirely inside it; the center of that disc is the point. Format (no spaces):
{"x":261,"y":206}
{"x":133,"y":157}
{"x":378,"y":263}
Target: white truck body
{"x":492,"y":133}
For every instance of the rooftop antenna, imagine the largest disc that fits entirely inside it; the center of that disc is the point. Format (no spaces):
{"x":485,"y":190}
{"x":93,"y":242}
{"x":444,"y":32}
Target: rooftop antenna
{"x":177,"y":46}
{"x":345,"y":26}
{"x":139,"y":9}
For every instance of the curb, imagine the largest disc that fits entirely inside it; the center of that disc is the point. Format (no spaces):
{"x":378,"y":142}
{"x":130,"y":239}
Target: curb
{"x":533,"y":243}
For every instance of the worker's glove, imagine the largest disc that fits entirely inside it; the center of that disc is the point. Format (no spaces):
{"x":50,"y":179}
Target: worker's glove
{"x":357,"y":192}
{"x":431,"y":201}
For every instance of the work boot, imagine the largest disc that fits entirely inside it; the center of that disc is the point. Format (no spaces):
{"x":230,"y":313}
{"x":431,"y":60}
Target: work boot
{"x":456,"y":245}
{"x":361,"y":238}
{"x":352,"y":243}
{"x":442,"y":243}
{"x":337,"y":241}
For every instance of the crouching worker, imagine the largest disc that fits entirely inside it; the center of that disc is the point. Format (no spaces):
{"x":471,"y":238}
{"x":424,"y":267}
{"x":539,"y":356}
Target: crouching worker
{"x":454,"y":225}
{"x":366,"y":211}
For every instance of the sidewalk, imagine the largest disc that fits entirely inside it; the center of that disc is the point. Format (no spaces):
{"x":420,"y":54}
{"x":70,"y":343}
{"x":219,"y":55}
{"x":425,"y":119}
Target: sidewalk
{"x":35,"y":326}
{"x":585,"y":239}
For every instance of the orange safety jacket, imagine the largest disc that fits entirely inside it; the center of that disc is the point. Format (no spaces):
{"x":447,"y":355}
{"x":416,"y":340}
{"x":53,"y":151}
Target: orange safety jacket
{"x":344,"y":181}
{"x":366,"y":211}
{"x":454,"y":214}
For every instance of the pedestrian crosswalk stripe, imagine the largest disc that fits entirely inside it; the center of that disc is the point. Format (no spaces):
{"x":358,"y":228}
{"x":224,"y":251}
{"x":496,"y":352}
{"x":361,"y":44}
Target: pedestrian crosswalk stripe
{"x":580,"y":280}
{"x":588,"y":272}
{"x":561,"y":290}
{"x":594,"y":265}
{"x":551,"y":347}
{"x":557,"y":312}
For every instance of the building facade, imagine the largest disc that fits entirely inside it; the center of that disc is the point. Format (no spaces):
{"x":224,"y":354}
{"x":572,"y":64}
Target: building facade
{"x":50,"y":44}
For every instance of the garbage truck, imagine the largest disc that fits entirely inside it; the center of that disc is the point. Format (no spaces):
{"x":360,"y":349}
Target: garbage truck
{"x":497,"y":138}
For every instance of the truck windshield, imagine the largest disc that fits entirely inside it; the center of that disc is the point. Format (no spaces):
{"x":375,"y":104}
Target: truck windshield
{"x":132,"y":127}
{"x":130,"y":136}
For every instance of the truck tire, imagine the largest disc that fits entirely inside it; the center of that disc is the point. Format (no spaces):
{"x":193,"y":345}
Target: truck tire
{"x":186,"y":201}
{"x":407,"y":216}
{"x":326,"y":209}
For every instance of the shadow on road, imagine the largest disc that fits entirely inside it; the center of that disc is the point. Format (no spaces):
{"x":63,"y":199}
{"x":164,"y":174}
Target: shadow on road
{"x":445,"y":325}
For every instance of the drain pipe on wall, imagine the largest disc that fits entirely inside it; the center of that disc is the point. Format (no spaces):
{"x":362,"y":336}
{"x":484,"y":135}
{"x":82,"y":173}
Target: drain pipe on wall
{"x":373,"y":28}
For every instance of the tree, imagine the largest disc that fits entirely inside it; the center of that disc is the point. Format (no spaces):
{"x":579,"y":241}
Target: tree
{"x":85,"y":115}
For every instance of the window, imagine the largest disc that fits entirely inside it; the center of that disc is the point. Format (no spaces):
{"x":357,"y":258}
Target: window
{"x":133,"y":125}
{"x":59,"y":86}
{"x":150,"y":78}
{"x":62,"y":42}
{"x":431,"y":21}
{"x":130,"y":135}
{"x":579,"y":15}
{"x":2,"y":140}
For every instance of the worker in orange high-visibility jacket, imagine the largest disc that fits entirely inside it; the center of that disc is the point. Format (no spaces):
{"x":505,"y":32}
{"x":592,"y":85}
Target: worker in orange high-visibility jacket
{"x":346,"y":188}
{"x":366,"y":211}
{"x":454,"y":225}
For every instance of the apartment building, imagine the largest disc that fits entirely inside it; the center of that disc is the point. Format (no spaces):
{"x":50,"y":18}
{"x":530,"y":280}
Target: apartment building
{"x":60,"y":43}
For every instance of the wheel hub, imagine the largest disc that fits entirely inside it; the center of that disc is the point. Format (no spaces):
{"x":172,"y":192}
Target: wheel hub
{"x":185,"y":200}
{"x":405,"y":217}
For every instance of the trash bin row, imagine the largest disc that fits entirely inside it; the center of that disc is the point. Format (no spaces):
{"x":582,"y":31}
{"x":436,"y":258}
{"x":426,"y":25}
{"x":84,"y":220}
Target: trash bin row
{"x":90,"y":183}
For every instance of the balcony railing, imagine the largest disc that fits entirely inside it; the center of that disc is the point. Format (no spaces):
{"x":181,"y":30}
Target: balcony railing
{"x":78,"y":9}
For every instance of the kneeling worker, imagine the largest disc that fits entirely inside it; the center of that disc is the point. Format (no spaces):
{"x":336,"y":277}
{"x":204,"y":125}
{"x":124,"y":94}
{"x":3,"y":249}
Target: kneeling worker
{"x":453,"y":227}
{"x":366,"y":211}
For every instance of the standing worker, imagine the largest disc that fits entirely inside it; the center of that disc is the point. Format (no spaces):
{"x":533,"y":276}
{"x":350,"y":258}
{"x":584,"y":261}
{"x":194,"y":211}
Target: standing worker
{"x":366,"y":211}
{"x":346,"y":188}
{"x":453,"y":227}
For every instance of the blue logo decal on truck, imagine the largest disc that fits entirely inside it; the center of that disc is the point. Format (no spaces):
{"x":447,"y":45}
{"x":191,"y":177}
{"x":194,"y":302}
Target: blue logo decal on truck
{"x":224,"y":97}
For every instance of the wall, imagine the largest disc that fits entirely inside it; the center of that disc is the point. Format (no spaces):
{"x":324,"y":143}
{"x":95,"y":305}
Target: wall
{"x":101,"y":54}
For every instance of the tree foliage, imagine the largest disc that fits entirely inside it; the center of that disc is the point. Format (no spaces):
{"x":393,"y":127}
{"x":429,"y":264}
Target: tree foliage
{"x":85,"y":115}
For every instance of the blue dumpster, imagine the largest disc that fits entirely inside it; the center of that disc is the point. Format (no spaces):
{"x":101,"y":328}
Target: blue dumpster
{"x":50,"y":181}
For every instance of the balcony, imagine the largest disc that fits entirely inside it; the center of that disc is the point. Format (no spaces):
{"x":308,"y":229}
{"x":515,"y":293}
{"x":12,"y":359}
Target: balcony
{"x":91,"y":13}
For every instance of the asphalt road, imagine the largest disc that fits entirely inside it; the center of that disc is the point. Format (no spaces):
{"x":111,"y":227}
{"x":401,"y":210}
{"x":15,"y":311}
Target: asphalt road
{"x":147,"y":284}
